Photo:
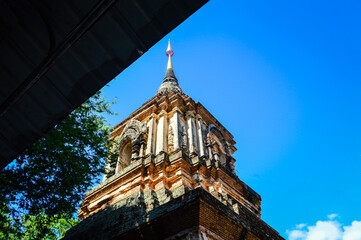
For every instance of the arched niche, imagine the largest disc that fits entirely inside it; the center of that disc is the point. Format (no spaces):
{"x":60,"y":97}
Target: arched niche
{"x":218,"y":146}
{"x":131,"y":143}
{"x":125,"y":154}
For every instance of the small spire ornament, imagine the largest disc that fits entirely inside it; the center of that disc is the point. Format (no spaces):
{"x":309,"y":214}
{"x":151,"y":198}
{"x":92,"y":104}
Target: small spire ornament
{"x":170,"y":54}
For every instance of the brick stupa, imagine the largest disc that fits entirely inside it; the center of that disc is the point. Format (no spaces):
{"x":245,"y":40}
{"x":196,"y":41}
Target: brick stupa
{"x":174,"y":179}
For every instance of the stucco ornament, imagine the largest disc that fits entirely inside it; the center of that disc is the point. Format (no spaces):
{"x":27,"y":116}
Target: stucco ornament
{"x":170,"y":138}
{"x":134,"y":134}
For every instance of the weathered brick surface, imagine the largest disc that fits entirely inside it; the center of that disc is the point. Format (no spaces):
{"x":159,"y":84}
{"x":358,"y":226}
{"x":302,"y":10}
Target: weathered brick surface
{"x":192,"y":216}
{"x":229,"y":225}
{"x":171,"y":177}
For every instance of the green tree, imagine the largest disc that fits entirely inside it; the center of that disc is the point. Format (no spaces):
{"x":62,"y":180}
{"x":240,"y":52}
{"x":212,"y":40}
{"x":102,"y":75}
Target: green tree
{"x":41,"y":226}
{"x":42,"y":188}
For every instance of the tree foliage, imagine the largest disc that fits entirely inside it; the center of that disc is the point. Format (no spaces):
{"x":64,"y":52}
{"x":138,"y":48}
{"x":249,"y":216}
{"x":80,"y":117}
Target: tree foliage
{"x":41,"y":226}
{"x":45,"y":184}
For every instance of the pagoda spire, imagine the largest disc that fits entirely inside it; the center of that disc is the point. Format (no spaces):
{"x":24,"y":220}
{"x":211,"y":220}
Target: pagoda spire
{"x":170,"y":82}
{"x":170,"y":54}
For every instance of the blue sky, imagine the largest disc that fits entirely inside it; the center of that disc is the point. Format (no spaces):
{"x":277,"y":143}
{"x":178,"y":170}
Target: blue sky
{"x":284,"y":77}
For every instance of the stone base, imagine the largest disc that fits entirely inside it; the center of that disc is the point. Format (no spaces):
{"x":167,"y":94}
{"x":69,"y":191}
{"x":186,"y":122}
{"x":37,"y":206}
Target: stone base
{"x":194,"y":215}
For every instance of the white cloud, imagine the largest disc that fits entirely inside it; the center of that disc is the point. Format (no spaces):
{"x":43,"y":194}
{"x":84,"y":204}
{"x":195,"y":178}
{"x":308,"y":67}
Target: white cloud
{"x":301,"y":225}
{"x":326,"y":230}
{"x":332,"y":216}
{"x":352,"y":232}
{"x":296,"y":235}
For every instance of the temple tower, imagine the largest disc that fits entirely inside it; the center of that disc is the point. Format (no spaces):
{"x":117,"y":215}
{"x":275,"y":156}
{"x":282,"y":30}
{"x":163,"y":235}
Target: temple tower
{"x":174,"y":178}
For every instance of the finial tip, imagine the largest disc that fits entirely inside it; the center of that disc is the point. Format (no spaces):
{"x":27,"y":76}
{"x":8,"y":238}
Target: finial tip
{"x":169,"y":51}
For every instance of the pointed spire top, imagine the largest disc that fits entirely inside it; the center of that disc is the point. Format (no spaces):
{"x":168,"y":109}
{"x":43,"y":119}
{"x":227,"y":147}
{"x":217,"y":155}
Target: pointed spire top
{"x":170,"y":82}
{"x":169,"y":50}
{"x":170,"y":54}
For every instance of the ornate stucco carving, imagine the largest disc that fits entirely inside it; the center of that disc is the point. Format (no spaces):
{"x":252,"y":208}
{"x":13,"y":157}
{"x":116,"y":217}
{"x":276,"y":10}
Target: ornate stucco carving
{"x":135,"y":135}
{"x":170,"y":138}
{"x":184,"y":138}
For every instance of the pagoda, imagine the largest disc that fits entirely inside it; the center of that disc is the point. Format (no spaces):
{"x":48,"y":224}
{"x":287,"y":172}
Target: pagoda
{"x":174,"y":177}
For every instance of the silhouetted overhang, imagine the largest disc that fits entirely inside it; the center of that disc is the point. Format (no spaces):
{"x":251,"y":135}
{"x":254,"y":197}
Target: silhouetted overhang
{"x":56,"y":54}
